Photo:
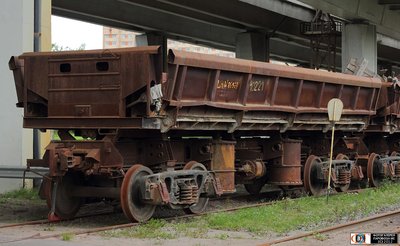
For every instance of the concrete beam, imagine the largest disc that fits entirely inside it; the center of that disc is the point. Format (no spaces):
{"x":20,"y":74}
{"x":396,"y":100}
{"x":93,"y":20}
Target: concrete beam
{"x":173,"y":10}
{"x":252,"y":46}
{"x":251,"y":16}
{"x":387,"y":41}
{"x":143,"y":19}
{"x":104,"y":11}
{"x":132,"y":27}
{"x":285,"y":8}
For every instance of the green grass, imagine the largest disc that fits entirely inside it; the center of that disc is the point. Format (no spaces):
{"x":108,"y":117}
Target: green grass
{"x":151,"y":229}
{"x":67,"y":236}
{"x":21,"y":194}
{"x":222,"y":236}
{"x":306,"y":213}
{"x":287,"y":215}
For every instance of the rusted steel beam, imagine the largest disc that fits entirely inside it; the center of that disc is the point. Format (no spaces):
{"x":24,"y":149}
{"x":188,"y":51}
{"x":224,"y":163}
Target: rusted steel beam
{"x":90,"y":123}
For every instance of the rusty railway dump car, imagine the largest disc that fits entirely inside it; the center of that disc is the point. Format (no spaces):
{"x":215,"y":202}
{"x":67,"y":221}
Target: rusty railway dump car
{"x":132,"y":132}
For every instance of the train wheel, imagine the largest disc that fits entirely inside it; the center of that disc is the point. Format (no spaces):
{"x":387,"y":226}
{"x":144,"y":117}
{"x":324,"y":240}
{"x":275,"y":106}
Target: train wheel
{"x":66,"y":205}
{"x":131,"y":203}
{"x":255,"y":187}
{"x":342,"y":188}
{"x":312,"y":184}
{"x":373,"y":170}
{"x":201,"y":205}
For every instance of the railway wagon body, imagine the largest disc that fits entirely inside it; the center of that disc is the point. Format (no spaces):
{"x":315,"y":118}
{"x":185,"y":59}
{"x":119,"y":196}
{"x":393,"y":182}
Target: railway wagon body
{"x":132,"y":132}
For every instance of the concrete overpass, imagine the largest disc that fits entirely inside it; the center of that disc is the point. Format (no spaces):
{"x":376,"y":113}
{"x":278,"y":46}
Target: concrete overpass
{"x":249,"y":25}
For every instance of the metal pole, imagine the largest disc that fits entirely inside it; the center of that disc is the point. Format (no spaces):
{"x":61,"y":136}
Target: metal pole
{"x":36,"y":48}
{"x":330,"y":162}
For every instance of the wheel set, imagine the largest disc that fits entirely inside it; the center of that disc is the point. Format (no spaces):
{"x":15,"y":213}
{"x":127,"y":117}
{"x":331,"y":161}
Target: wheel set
{"x":378,"y":169}
{"x":134,"y":204}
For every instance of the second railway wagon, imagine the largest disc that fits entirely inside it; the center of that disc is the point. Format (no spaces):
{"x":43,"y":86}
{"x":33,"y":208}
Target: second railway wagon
{"x":147,"y":132}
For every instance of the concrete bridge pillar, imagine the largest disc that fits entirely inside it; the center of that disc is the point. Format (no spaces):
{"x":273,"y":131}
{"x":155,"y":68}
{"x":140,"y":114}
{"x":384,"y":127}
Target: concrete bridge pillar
{"x":359,"y":41}
{"x":252,"y":46}
{"x":153,"y":38}
{"x":17,"y":26}
{"x":15,"y":143}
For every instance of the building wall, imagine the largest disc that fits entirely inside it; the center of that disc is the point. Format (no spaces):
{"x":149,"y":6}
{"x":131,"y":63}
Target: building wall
{"x":16,"y":19}
{"x":116,"y":38}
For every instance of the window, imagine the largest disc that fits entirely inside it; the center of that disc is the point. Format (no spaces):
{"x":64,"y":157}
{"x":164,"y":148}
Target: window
{"x":102,"y":66}
{"x":65,"y":67}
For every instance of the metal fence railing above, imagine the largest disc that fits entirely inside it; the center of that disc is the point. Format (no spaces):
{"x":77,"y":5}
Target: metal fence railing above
{"x":12,"y":172}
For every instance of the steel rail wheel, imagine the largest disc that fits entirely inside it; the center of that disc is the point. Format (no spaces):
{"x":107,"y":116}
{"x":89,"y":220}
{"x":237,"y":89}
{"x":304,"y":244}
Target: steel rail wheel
{"x":255,"y":187}
{"x":374,"y":177}
{"x":201,"y":205}
{"x":66,"y":205}
{"x":312,"y":184}
{"x":131,"y":202}
{"x":342,"y":188}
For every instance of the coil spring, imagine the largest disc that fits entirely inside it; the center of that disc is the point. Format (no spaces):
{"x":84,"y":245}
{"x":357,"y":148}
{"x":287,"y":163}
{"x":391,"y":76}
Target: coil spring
{"x":185,"y":193}
{"x":344,"y":177}
{"x":397,"y":169}
{"x":195,"y":191}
